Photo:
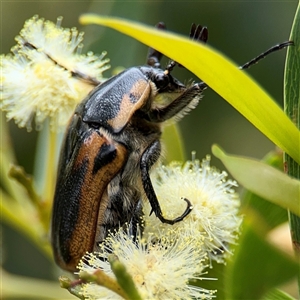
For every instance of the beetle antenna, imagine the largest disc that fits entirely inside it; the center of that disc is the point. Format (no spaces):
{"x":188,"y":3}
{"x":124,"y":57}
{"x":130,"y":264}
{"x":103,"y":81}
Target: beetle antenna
{"x":199,"y":33}
{"x":264,"y":54}
{"x":154,"y":56}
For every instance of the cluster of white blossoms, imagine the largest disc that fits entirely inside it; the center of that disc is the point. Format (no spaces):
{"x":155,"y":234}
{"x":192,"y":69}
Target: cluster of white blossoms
{"x":168,"y":256}
{"x":160,"y":270}
{"x":46,"y":75}
{"x":214,"y":219}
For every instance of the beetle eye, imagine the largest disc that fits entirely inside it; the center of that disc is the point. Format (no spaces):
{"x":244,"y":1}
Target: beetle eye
{"x":161,"y":81}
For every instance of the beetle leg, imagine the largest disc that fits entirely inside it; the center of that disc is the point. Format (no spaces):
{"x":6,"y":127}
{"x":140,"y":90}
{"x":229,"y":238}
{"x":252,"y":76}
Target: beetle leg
{"x":180,"y":106}
{"x":149,"y":157}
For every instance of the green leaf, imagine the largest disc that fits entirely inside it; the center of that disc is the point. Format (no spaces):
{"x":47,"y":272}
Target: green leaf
{"x":292,"y":109}
{"x":256,"y":267}
{"x":272,"y":214}
{"x":292,"y":74}
{"x":219,"y":74}
{"x":277,"y":295}
{"x":263,"y":180}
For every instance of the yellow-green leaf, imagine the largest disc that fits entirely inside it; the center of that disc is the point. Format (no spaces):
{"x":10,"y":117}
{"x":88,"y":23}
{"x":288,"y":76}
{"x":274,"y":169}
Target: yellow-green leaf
{"x":276,"y":294}
{"x":271,"y":214}
{"x":219,"y":74}
{"x":263,"y":180}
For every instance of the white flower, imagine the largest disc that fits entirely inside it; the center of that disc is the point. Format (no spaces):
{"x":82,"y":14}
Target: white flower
{"x":214,"y":219}
{"x":159,"y":271}
{"x":46,"y":76}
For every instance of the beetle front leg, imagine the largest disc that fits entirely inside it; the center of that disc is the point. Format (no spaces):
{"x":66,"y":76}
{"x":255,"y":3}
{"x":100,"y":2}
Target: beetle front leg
{"x":149,"y":157}
{"x":180,"y":106}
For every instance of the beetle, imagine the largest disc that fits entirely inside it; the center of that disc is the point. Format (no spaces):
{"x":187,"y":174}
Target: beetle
{"x":111,"y":143}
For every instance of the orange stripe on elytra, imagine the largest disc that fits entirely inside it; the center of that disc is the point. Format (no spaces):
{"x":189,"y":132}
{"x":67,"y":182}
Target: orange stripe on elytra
{"x":91,"y":193}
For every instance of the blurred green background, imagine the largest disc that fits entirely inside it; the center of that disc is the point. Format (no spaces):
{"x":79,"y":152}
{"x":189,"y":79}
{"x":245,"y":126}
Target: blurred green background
{"x":240,"y":30}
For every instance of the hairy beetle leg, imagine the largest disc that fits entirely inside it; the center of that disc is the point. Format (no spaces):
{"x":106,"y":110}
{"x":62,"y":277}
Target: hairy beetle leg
{"x":184,"y":103}
{"x":149,"y":157}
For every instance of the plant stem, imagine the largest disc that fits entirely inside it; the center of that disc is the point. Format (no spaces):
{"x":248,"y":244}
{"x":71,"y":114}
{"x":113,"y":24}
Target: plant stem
{"x":50,"y":177}
{"x":51,"y":169}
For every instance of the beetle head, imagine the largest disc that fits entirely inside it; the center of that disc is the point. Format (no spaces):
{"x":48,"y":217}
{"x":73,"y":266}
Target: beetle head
{"x":163,"y":80}
{"x":166,"y":88}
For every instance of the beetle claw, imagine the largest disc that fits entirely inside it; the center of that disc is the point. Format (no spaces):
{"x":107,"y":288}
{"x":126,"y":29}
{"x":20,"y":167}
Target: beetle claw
{"x":187,"y":211}
{"x":202,"y":85}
